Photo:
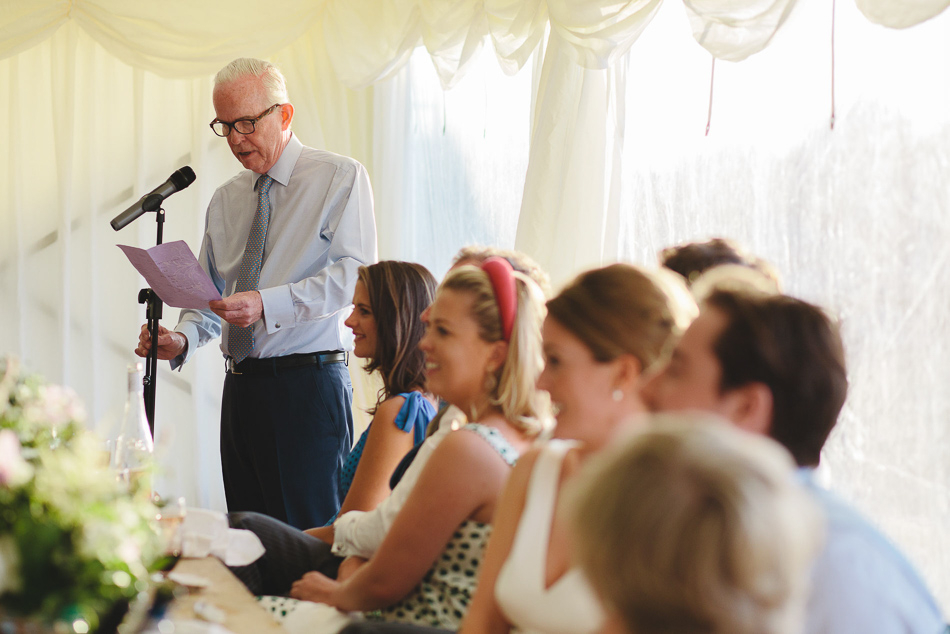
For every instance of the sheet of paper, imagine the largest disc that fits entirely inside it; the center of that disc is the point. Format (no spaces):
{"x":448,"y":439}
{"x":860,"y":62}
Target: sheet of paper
{"x":172,"y":271}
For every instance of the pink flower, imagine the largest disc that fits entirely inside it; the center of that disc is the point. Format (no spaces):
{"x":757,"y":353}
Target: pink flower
{"x":14,"y":470}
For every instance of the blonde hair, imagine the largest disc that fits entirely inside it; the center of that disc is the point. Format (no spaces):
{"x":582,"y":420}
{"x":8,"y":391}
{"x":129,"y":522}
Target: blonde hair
{"x":514,"y":383}
{"x":518,"y":261}
{"x":275,"y":86}
{"x":622,"y":309}
{"x":691,"y":525}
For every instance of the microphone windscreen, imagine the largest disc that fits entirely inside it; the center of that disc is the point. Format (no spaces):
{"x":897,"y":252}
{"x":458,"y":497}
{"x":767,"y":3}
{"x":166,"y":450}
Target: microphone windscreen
{"x":183,"y":178}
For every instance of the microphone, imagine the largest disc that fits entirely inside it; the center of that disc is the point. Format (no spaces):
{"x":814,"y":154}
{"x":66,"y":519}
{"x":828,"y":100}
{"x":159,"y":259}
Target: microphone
{"x":152,"y":201}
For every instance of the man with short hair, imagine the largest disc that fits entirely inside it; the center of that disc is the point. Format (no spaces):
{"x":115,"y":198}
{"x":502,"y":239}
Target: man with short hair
{"x":692,"y":259}
{"x":774,"y":365}
{"x":283,"y":242}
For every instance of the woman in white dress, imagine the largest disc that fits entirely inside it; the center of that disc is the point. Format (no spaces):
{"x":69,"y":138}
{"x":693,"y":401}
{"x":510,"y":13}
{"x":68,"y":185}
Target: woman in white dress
{"x":602,"y":334}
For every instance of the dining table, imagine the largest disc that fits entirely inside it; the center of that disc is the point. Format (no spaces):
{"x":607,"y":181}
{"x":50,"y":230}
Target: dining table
{"x":215,"y":591}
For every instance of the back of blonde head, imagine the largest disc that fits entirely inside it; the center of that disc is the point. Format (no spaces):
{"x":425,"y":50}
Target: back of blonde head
{"x":692,"y":526}
{"x":514,"y":391}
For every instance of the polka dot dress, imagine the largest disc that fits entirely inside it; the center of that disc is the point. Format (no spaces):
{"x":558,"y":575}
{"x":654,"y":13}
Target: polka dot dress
{"x":278,"y":607}
{"x":443,"y":596}
{"x":304,"y":617}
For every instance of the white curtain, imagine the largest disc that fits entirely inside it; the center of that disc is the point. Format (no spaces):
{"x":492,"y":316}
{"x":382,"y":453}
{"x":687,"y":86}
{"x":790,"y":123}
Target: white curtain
{"x":573,"y":130}
{"x":900,"y":14}
{"x":734,"y":29}
{"x":173,"y":38}
{"x":856,"y":219}
{"x":449,"y":167}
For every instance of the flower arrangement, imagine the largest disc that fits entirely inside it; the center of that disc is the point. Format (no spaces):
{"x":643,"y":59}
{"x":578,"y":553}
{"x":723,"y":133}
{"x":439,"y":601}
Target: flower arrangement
{"x":73,"y":541}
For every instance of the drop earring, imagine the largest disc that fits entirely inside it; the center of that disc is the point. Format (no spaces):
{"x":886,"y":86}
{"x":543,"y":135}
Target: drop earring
{"x":491,"y":383}
{"x":617,"y":395}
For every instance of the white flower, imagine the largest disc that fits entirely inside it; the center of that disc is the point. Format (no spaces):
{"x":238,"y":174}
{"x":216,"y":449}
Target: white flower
{"x":14,"y":470}
{"x":130,"y":551}
{"x":69,"y":489}
{"x":54,"y":406}
{"x":9,"y":565}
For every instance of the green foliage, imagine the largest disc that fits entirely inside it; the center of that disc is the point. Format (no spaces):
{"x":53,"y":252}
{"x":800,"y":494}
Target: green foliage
{"x":73,"y":540}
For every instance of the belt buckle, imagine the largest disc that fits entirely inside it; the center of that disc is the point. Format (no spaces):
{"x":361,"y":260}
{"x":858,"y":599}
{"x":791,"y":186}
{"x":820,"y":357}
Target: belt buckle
{"x":231,"y":366}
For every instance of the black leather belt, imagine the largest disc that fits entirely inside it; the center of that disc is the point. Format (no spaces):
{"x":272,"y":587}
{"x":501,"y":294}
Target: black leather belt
{"x":274,"y":365}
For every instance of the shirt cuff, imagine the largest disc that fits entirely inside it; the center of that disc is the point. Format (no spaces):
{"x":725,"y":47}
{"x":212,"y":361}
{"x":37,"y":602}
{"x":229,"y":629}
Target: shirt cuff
{"x":341,"y":527}
{"x":278,"y":308}
{"x":191,"y":334}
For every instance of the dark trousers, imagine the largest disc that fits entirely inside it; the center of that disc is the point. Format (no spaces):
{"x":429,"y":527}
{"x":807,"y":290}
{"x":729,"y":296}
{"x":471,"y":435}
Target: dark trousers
{"x":289,"y":554}
{"x":284,"y":436}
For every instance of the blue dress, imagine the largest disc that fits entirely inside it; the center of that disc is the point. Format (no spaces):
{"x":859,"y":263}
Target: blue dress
{"x":413,"y":417}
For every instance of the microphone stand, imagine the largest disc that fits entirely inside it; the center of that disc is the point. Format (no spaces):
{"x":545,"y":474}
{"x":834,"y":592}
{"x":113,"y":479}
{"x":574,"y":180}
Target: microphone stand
{"x":153,"y":313}
{"x":152,"y":201}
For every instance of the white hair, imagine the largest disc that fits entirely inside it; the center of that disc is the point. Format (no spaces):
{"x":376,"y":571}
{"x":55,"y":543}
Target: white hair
{"x":274,"y":84}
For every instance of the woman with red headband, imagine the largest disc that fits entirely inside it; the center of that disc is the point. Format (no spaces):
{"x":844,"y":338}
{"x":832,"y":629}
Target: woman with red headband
{"x":483,"y":355}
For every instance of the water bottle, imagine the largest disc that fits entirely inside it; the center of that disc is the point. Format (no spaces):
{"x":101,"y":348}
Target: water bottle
{"x":133,"y":446}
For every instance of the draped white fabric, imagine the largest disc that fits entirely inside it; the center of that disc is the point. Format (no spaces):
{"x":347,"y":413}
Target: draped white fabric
{"x":173,"y":38}
{"x":575,"y":134}
{"x":734,"y":29}
{"x":900,"y":14}
{"x":570,"y":203}
{"x":369,"y":41}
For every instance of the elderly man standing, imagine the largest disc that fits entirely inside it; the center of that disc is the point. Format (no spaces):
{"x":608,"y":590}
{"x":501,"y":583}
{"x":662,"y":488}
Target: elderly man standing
{"x":283,"y":242}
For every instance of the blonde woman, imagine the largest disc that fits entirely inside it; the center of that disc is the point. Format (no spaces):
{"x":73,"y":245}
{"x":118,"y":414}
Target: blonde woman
{"x":602,"y":333}
{"x":691,"y":525}
{"x":483,"y":355}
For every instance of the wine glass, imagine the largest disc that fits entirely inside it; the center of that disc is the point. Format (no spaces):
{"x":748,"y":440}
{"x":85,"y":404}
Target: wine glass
{"x":170,"y":517}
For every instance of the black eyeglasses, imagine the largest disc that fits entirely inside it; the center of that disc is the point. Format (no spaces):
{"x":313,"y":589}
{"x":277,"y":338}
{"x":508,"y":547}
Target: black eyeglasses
{"x":243,"y":126}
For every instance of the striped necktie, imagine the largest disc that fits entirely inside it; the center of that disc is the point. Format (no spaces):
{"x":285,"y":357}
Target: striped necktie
{"x":241,"y":340}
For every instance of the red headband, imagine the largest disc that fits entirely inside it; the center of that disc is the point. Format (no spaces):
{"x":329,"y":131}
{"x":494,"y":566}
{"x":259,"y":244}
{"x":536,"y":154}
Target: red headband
{"x":500,"y":274}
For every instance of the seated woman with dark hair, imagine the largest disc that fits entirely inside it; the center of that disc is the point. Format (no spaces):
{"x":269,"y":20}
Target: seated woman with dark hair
{"x":692,"y":525}
{"x":387,"y":326}
{"x":386,"y":322}
{"x":483,"y":355}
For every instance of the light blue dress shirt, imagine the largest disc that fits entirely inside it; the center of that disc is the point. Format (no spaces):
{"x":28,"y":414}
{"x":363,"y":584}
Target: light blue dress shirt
{"x":861,"y":583}
{"x":321,"y":230}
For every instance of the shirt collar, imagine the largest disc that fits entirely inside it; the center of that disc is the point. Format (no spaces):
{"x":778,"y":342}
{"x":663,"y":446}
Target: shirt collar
{"x":805,"y":475}
{"x":284,"y":166}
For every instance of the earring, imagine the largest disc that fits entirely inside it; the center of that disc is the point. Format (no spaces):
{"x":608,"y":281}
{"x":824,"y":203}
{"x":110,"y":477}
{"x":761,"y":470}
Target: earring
{"x":491,"y":382}
{"x":617,"y":395}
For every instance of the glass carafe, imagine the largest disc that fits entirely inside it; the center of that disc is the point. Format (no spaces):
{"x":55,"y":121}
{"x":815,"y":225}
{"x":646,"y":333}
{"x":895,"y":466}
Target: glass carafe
{"x":132,"y":459}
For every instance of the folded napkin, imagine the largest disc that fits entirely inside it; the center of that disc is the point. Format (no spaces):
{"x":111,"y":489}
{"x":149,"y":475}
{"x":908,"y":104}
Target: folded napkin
{"x":206,"y":532}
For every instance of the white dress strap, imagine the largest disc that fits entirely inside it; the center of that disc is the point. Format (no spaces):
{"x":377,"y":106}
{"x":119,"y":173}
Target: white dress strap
{"x":568,"y":606}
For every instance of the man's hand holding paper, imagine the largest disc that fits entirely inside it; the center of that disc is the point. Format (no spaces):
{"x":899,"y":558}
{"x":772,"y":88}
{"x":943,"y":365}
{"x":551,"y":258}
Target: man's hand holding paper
{"x":240,"y":309}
